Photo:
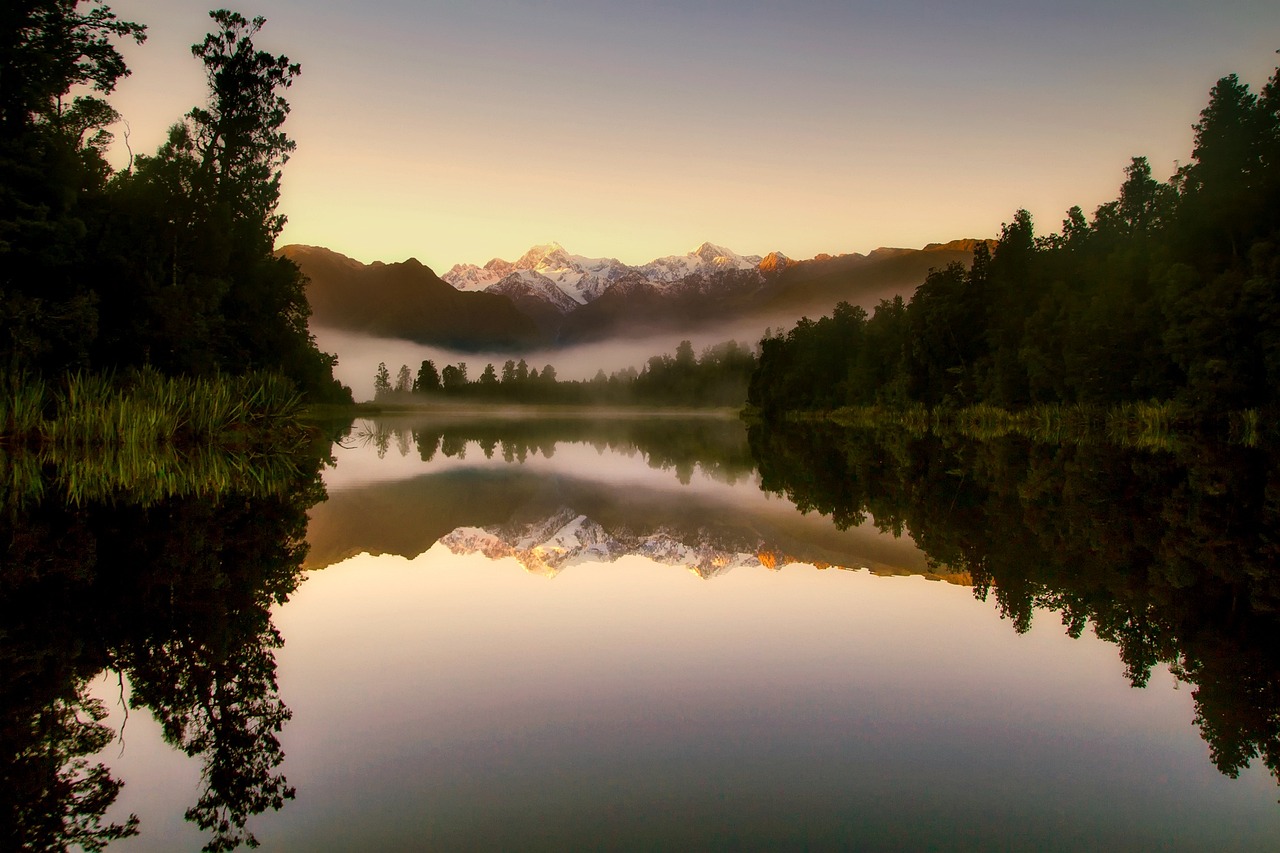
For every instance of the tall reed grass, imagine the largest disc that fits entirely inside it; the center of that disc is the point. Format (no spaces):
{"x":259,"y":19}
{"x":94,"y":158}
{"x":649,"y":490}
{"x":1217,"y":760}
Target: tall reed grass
{"x":145,"y":409}
{"x":145,"y":437}
{"x":915,"y":419}
{"x":22,"y":400}
{"x":1246,"y":427}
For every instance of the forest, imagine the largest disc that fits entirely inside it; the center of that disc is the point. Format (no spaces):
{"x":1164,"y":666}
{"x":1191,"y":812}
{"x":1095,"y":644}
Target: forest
{"x":1169,"y":293}
{"x":716,"y":378}
{"x":167,"y":263}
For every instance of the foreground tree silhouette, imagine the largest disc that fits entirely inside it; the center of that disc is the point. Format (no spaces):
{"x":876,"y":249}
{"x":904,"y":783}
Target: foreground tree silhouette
{"x":239,"y":137}
{"x":169,"y":263}
{"x":212,"y":295}
{"x":51,"y":169}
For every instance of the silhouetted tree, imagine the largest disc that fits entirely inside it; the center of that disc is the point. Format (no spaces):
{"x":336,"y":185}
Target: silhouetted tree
{"x":169,"y":263}
{"x":454,"y":377}
{"x":428,"y":379}
{"x":53,"y":174}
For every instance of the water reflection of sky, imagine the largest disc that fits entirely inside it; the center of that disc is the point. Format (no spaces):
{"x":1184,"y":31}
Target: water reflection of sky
{"x":449,"y":701}
{"x":455,"y":701}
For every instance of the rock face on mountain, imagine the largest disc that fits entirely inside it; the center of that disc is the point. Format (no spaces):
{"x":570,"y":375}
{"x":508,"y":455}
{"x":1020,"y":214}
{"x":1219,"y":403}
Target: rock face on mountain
{"x":536,"y":296}
{"x":774,"y":262}
{"x":407,"y":300}
{"x":549,"y":296}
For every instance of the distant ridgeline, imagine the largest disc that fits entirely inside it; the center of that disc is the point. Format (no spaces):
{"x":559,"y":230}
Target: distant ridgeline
{"x":716,"y":378}
{"x":1170,"y":293}
{"x":167,"y":263}
{"x":549,"y":296}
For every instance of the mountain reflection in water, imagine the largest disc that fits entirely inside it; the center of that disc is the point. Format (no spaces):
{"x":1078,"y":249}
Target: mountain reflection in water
{"x":529,"y":665}
{"x":678,"y":491}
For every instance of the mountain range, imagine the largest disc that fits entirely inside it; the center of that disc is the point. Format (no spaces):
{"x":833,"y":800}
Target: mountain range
{"x":584,"y":279}
{"x":549,"y":296}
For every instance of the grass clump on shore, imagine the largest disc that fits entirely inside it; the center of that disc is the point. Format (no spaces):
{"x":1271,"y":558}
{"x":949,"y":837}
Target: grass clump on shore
{"x":145,"y":410}
{"x":22,"y":401}
{"x":147,"y":436}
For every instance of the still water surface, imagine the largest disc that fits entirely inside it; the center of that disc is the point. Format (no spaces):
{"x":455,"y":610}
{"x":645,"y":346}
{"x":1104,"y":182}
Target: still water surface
{"x":564,"y":636}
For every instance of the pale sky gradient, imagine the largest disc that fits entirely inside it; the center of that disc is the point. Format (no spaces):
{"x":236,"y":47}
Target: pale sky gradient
{"x":456,"y":132}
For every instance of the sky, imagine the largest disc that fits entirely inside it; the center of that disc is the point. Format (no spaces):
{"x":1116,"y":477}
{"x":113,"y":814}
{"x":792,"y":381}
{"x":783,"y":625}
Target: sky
{"x":455,"y":132}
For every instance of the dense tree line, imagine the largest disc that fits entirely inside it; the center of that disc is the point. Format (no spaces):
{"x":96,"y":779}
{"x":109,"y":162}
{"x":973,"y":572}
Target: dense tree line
{"x":167,"y":262}
{"x":1170,"y":292}
{"x":717,"y":377}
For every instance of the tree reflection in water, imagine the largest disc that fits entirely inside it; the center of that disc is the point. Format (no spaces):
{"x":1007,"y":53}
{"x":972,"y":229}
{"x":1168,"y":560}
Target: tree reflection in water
{"x":715,"y":445}
{"x":1170,"y":555}
{"x":175,"y":596}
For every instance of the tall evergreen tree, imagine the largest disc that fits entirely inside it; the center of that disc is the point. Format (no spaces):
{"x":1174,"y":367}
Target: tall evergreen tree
{"x":428,"y":378}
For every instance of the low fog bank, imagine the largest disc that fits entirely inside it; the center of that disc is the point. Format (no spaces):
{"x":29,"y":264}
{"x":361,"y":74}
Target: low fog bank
{"x":359,"y":355}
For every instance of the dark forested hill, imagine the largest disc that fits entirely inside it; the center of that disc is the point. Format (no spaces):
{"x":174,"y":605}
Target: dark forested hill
{"x":816,"y":286}
{"x":405,"y":300}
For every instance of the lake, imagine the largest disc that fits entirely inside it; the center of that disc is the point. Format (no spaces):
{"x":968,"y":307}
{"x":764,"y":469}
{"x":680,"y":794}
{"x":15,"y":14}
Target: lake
{"x":656,"y":632}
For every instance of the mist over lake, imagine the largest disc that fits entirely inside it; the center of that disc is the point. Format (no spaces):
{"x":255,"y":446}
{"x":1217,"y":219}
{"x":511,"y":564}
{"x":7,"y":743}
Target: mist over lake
{"x":359,"y":355}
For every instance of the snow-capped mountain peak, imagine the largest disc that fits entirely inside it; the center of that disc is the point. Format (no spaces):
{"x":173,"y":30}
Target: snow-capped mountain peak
{"x":707,"y":258}
{"x":499,"y":266}
{"x":547,"y":256}
{"x":580,"y":278}
{"x":711,"y":253}
{"x":583,"y":279}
